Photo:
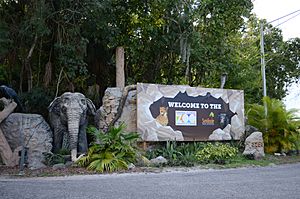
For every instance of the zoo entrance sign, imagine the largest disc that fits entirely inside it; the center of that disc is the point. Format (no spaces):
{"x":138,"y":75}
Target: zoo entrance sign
{"x":184,"y":113}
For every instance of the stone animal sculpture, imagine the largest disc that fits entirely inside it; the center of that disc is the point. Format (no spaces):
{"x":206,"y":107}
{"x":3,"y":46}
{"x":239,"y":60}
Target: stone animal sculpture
{"x":68,"y":118}
{"x":162,"y":118}
{"x":10,"y":93}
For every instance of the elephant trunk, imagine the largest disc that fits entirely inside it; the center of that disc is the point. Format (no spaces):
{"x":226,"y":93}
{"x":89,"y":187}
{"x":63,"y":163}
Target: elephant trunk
{"x":73,"y":129}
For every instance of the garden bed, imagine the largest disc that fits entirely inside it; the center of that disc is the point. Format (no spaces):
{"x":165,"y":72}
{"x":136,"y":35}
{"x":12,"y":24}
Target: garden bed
{"x":239,"y":161}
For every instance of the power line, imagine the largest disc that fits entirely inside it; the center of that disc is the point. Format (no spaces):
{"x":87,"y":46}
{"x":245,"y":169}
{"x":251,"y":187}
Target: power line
{"x":287,"y":20}
{"x":284,"y":16}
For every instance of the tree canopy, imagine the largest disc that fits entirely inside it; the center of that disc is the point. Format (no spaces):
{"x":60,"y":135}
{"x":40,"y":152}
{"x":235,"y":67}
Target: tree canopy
{"x":51,"y":46}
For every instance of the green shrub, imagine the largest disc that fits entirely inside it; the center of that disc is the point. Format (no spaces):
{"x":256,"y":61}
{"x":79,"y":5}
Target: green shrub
{"x":37,"y":101}
{"x":177,"y":154}
{"x":280,"y":127}
{"x":168,"y":151}
{"x":112,"y":151}
{"x":52,"y":159}
{"x":216,"y":153}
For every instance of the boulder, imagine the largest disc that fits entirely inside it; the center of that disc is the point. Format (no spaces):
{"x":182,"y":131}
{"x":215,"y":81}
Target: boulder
{"x":248,"y":131}
{"x":254,"y":146}
{"x":131,"y":166}
{"x":129,"y":113}
{"x":220,"y":134}
{"x":32,"y":131}
{"x":158,"y":161}
{"x":59,"y":166}
{"x":110,"y":104}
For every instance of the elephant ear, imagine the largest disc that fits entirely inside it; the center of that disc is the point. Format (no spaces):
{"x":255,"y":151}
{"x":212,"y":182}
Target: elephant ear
{"x":54,"y":105}
{"x":91,"y":106}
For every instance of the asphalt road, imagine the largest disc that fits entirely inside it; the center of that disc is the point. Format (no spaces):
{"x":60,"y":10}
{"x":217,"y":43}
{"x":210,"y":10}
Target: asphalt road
{"x":265,"y":182}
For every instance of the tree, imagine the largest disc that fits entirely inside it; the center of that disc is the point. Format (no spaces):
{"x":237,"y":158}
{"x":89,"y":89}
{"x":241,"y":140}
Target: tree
{"x":67,"y":45}
{"x":282,"y":62}
{"x":280,"y":127}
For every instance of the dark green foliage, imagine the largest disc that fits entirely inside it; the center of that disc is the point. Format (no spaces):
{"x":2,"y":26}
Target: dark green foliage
{"x":64,"y":152}
{"x":3,"y":73}
{"x":166,"y":41}
{"x":280,"y":127}
{"x":37,"y":101}
{"x":190,"y":154}
{"x":112,"y":151}
{"x":52,"y":159}
{"x":56,"y":158}
{"x":216,"y":153}
{"x":177,"y":154}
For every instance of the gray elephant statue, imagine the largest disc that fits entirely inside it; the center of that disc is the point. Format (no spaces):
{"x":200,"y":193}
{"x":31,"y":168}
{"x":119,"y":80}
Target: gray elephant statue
{"x":68,"y":119}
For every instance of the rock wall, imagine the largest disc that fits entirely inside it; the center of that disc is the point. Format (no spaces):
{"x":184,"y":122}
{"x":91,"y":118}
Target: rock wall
{"x":110,"y":103}
{"x":33,"y":131}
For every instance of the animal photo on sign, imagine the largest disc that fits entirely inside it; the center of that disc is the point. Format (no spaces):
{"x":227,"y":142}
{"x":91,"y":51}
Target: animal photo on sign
{"x":162,"y":118}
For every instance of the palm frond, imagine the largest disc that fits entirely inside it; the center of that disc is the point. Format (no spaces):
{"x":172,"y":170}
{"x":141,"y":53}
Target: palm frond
{"x":279,"y":126}
{"x":113,"y":152}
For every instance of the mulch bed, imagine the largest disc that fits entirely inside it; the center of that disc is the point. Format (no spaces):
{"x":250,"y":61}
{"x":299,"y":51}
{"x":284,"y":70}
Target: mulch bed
{"x":48,"y":171}
{"x":14,"y":172}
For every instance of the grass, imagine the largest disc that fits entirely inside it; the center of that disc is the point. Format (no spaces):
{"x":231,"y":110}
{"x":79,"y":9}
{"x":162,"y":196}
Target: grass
{"x":242,"y":161}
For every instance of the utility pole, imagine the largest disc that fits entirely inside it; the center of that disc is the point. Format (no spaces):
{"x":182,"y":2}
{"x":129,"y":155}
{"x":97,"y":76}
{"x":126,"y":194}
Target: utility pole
{"x":263,"y":65}
{"x":262,"y":51}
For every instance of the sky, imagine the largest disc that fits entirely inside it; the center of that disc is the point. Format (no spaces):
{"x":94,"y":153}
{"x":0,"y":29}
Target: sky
{"x":274,"y":9}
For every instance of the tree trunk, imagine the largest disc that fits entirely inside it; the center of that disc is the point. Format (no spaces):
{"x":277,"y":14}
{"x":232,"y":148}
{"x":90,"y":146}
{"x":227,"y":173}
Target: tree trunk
{"x":27,"y":67}
{"x":188,"y":69}
{"x":120,"y":75}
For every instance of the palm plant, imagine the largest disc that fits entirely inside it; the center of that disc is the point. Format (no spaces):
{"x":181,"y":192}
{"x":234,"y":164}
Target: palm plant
{"x":280,"y":127}
{"x":112,"y":151}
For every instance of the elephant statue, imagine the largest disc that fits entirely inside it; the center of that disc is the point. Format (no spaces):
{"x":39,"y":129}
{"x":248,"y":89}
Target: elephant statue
{"x":68,"y":119}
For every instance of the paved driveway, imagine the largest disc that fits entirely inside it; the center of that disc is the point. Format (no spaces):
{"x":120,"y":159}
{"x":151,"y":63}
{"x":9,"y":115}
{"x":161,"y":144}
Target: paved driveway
{"x":265,"y":182}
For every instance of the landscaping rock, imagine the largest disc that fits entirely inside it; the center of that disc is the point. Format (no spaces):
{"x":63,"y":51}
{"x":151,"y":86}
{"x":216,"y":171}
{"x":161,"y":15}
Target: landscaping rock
{"x":32,"y":131}
{"x":143,"y":161}
{"x":59,"y":166}
{"x":219,"y":134}
{"x":129,"y":114}
{"x":158,"y":161}
{"x":131,"y":166}
{"x":254,"y":146}
{"x":248,"y":131}
{"x":69,"y":163}
{"x":107,"y":112}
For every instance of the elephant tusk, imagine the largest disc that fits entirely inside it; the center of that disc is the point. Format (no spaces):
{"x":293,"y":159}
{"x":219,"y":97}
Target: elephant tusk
{"x":82,"y":155}
{"x":74,"y":154}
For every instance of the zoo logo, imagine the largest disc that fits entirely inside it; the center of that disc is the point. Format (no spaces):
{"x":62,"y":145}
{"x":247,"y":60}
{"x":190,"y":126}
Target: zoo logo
{"x":209,"y":121}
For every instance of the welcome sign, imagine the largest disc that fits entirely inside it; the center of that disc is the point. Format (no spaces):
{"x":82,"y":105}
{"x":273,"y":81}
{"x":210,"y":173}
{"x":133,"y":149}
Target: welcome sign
{"x":186,"y":113}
